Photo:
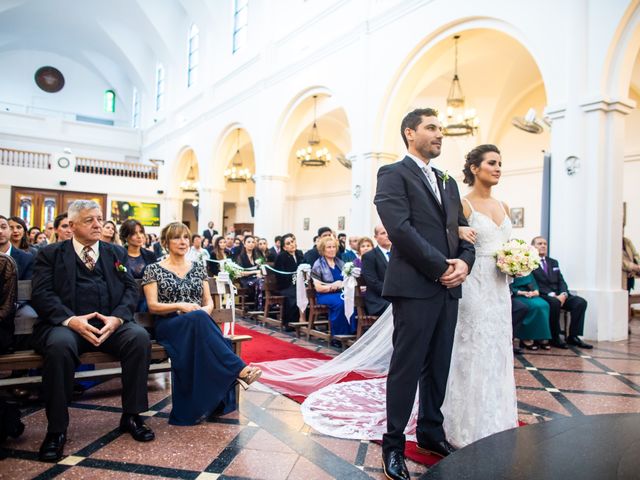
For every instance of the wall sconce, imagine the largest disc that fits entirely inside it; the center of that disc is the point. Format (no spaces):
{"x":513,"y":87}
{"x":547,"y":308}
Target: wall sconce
{"x":572,"y":164}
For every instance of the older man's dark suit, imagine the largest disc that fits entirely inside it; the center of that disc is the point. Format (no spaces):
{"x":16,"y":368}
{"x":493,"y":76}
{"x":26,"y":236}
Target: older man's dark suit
{"x":552,"y":281}
{"x":64,"y":287}
{"x":374,"y":267}
{"x":424,"y":235}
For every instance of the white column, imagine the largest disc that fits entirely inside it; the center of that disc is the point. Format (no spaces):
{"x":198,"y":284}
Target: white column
{"x":210,"y":208}
{"x":173,"y":210}
{"x":586,"y":210}
{"x":364,"y":170}
{"x":270,"y":204}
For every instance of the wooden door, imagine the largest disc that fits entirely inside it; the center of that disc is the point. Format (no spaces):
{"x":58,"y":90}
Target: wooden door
{"x":39,"y":206}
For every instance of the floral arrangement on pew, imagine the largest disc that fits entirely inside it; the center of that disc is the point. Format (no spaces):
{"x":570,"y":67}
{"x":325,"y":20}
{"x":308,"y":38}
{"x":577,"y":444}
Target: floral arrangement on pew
{"x":517,"y":258}
{"x":233,"y":269}
{"x":350,"y":273}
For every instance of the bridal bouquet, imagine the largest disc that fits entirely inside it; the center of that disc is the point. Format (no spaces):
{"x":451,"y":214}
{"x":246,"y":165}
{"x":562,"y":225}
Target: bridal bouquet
{"x":517,"y":258}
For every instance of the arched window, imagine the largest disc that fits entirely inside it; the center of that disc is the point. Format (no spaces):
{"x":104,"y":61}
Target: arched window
{"x":159,"y":87}
{"x":135,"y":109}
{"x":240,"y":20}
{"x":193,"y":55}
{"x":109,"y":101}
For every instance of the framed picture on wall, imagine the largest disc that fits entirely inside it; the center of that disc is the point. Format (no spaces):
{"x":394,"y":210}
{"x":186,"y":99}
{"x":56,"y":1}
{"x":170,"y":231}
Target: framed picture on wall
{"x":340,"y":223}
{"x":517,"y":217}
{"x":305,"y":223}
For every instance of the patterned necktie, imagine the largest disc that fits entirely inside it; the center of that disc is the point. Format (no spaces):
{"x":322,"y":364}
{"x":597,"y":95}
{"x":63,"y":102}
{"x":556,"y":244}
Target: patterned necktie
{"x":87,"y":258}
{"x":431,"y":177}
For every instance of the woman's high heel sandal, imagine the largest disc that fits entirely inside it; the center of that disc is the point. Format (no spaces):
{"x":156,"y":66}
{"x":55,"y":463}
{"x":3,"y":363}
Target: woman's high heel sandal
{"x":251,"y":375}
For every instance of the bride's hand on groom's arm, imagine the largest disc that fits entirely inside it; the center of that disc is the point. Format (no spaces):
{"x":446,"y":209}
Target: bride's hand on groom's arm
{"x":455,"y":274}
{"x":468,"y":234}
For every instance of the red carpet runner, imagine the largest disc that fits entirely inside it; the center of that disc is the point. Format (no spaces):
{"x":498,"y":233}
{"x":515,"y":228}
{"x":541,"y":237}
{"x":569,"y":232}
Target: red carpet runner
{"x":265,"y":348}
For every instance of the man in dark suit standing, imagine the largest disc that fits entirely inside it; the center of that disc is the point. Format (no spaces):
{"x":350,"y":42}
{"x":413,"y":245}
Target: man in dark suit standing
{"x":420,"y":209}
{"x":311,"y":255}
{"x":209,"y":232}
{"x":275,"y":250}
{"x":374,"y":268}
{"x":554,"y":290}
{"x":85,"y":299}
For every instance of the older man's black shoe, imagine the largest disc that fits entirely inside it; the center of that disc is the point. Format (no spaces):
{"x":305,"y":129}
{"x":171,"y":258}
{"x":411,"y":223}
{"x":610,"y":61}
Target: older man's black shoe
{"x":558,"y":343}
{"x":442,"y":449}
{"x":394,"y":466}
{"x":578,"y":343}
{"x":52,"y":447}
{"x":134,"y":425}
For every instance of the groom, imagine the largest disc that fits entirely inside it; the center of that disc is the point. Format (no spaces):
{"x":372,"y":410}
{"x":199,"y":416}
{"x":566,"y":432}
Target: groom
{"x":420,"y":209}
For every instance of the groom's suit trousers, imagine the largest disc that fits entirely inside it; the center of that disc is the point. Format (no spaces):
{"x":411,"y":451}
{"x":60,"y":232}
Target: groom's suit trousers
{"x":422,"y":341}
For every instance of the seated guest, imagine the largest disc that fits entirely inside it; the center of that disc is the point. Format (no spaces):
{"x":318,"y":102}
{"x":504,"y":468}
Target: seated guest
{"x":237,"y":246}
{"x":19,"y":236}
{"x":48,"y":230}
{"x":519,"y":311}
{"x":350,"y":253}
{"x":287,"y":261}
{"x":33,"y":232}
{"x":327,"y":280}
{"x":85,"y":302}
{"x":204,"y":369}
{"x":8,"y":295}
{"x":218,"y":252}
{"x":310,"y":256}
{"x":133,"y":238}
{"x":275,"y":250}
{"x":554,"y":291}
{"x":630,"y":264}
{"x":229,"y":238}
{"x":61,"y":229}
{"x":263,"y":250}
{"x":374,"y":268}
{"x":40,"y":240}
{"x":24,"y":260}
{"x":110,"y":233}
{"x":251,"y":277}
{"x":365,"y":244}
{"x":534,"y":329}
{"x":197,"y":253}
{"x":25,"y":316}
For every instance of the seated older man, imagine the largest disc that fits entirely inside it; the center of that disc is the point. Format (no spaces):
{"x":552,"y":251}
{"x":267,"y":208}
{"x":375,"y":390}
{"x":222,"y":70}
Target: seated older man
{"x":85,"y":299}
{"x":554,"y":290}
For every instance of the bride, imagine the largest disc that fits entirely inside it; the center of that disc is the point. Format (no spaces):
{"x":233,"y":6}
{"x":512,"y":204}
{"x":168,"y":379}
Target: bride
{"x":481,"y":396}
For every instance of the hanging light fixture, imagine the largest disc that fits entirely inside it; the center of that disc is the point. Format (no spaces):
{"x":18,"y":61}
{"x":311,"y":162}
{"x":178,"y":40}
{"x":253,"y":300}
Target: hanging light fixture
{"x":190,"y":184}
{"x":459,"y":121}
{"x":237,"y":174}
{"x":312,"y":156}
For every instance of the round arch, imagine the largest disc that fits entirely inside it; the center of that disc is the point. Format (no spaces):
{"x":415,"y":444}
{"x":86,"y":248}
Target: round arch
{"x":622,"y":53}
{"x":402,"y":88}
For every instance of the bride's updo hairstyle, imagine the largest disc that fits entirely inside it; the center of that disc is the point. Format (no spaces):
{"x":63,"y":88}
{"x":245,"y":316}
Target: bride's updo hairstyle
{"x":475,"y":157}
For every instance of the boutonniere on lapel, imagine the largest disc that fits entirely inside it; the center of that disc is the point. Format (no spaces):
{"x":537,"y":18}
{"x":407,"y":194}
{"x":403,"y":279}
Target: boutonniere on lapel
{"x":444,"y":176}
{"x":120,"y":267}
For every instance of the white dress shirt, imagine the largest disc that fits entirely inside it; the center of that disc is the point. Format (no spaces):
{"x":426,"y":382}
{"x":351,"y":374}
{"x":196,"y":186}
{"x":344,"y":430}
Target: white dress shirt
{"x":429,"y":173}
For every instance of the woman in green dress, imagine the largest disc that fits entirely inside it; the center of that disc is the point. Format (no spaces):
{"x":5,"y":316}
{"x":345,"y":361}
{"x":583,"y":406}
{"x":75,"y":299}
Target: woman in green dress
{"x":534,"y":329}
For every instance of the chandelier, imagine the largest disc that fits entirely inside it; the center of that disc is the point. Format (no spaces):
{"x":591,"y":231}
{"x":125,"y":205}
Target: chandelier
{"x":458,"y":121}
{"x":190,"y":184}
{"x":237,"y":174}
{"x":312,"y":156}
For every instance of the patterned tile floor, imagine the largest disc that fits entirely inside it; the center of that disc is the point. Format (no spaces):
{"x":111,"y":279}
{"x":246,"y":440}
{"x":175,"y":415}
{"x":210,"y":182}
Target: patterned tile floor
{"x":267,"y":439}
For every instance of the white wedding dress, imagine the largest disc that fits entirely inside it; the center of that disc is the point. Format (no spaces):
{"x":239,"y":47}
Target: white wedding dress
{"x":481,"y":394}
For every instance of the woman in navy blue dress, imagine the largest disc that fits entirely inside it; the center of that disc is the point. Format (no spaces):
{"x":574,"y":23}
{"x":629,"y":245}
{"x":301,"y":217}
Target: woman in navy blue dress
{"x":327,"y":280}
{"x":204,"y":369}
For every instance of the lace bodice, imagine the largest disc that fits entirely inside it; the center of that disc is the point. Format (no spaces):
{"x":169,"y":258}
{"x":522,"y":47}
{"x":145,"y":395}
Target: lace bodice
{"x":490,"y":236}
{"x":172,"y":288}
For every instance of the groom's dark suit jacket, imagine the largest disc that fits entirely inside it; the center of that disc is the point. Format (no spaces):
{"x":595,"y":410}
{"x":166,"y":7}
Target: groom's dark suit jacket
{"x":54,"y":283}
{"x":424,"y":234}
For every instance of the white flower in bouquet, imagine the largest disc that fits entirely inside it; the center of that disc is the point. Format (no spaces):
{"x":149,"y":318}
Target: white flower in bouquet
{"x":517,"y":258}
{"x":233,"y":269}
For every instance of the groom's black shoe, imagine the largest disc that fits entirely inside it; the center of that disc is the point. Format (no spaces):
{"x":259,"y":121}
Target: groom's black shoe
{"x":134,"y":425}
{"x":578,"y":343}
{"x":394,"y":466}
{"x":559,"y":343}
{"x":52,"y":447}
{"x":442,"y":449}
